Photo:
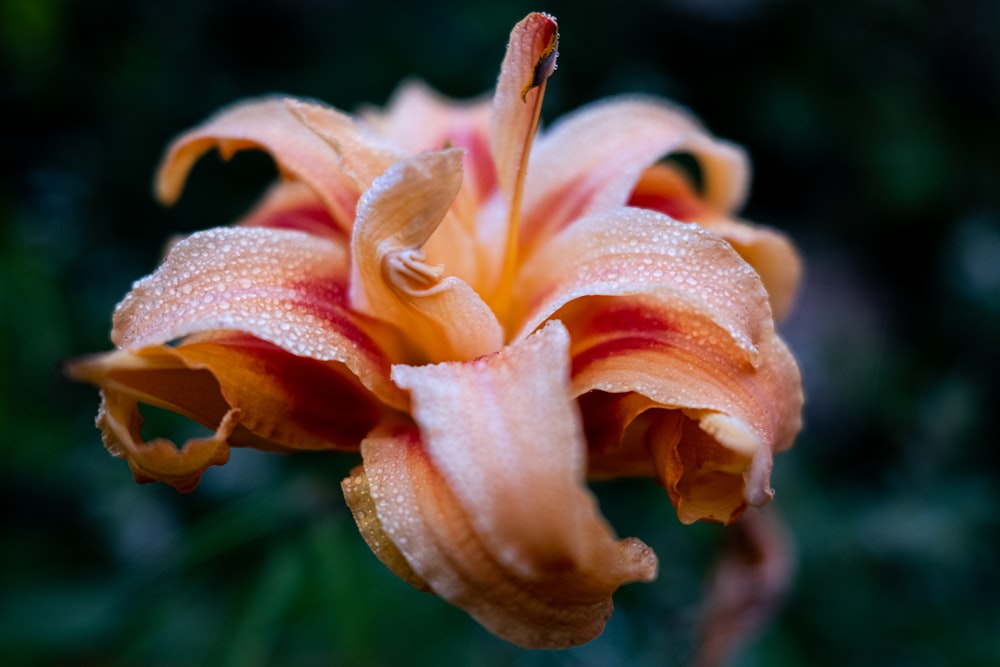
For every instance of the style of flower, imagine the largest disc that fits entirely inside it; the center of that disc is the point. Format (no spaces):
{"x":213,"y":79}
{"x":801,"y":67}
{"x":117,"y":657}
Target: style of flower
{"x":489,"y":319}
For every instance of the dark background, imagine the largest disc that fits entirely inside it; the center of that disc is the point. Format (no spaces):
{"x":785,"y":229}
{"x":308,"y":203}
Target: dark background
{"x":874,"y":127}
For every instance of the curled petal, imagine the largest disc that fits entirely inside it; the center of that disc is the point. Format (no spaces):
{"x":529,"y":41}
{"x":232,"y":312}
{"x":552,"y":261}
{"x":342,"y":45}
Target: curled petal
{"x":358,"y":495}
{"x":705,"y":480}
{"x":251,"y":392}
{"x":676,"y":359}
{"x":629,"y":434}
{"x":591,"y":160}
{"x":362,"y":157}
{"x":616,"y":426}
{"x":710,"y":421}
{"x":669,"y":311}
{"x":419,"y":119}
{"x":487,"y":503}
{"x":159,"y":459}
{"x":267,"y":124}
{"x":284,"y":287}
{"x":769,"y":252}
{"x":291,"y":401}
{"x":390,"y":277}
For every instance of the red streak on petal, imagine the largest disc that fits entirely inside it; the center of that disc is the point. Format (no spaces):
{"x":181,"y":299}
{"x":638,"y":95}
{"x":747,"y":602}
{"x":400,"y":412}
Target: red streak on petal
{"x":626,"y":318}
{"x":612,"y":348}
{"x":477,"y":161}
{"x":678,"y":208}
{"x":665,"y":189}
{"x":557,"y":210}
{"x":326,"y":300}
{"x":313,"y":219}
{"x":618,"y":330}
{"x":322,"y":401}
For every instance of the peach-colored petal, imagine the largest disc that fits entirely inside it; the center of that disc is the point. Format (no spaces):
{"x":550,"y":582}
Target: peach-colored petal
{"x":663,"y":188}
{"x":419,"y":119}
{"x":251,"y":392}
{"x":157,"y":376}
{"x":294,"y":402}
{"x":668,"y":310}
{"x":487,"y":502}
{"x":284,"y":287}
{"x":267,"y":124}
{"x":159,"y":459}
{"x":638,"y":252}
{"x":715,"y":461}
{"x":362,"y":156}
{"x":705,"y":480}
{"x":442,"y":316}
{"x":358,"y":495}
{"x":591,"y":160}
{"x":630,"y":435}
{"x":417,"y":511}
{"x":293,"y":205}
{"x":676,"y":359}
{"x":770,"y":253}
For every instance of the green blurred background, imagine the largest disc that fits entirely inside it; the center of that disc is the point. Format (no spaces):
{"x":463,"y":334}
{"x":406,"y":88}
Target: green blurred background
{"x":874,"y":126}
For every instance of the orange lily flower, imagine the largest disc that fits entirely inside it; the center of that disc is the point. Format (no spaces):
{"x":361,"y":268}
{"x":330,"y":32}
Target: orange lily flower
{"x":487,"y":319}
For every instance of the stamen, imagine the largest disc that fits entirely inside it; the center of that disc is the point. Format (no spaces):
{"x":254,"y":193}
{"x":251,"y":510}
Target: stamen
{"x":544,"y":68}
{"x":408,"y":271}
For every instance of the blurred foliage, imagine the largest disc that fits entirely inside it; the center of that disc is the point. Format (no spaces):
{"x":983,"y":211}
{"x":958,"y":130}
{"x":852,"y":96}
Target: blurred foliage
{"x":873,"y":128}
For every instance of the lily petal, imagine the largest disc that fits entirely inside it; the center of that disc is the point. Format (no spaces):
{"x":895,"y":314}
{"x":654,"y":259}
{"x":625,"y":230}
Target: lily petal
{"x":706,"y":481}
{"x":616,"y":428}
{"x":284,"y":287}
{"x":419,"y":119}
{"x":251,"y":392}
{"x":491,"y":511}
{"x":361,"y":501}
{"x":159,"y":460}
{"x":267,"y":124}
{"x":362,"y":156}
{"x":293,"y":205}
{"x":390,"y":279}
{"x":770,"y":253}
{"x":669,"y":311}
{"x":663,"y":188}
{"x":591,"y":160}
{"x":715,"y":460}
{"x":632,"y":251}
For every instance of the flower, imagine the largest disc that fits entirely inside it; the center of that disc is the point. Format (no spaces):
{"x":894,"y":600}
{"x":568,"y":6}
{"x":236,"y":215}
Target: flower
{"x":488,"y":319}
